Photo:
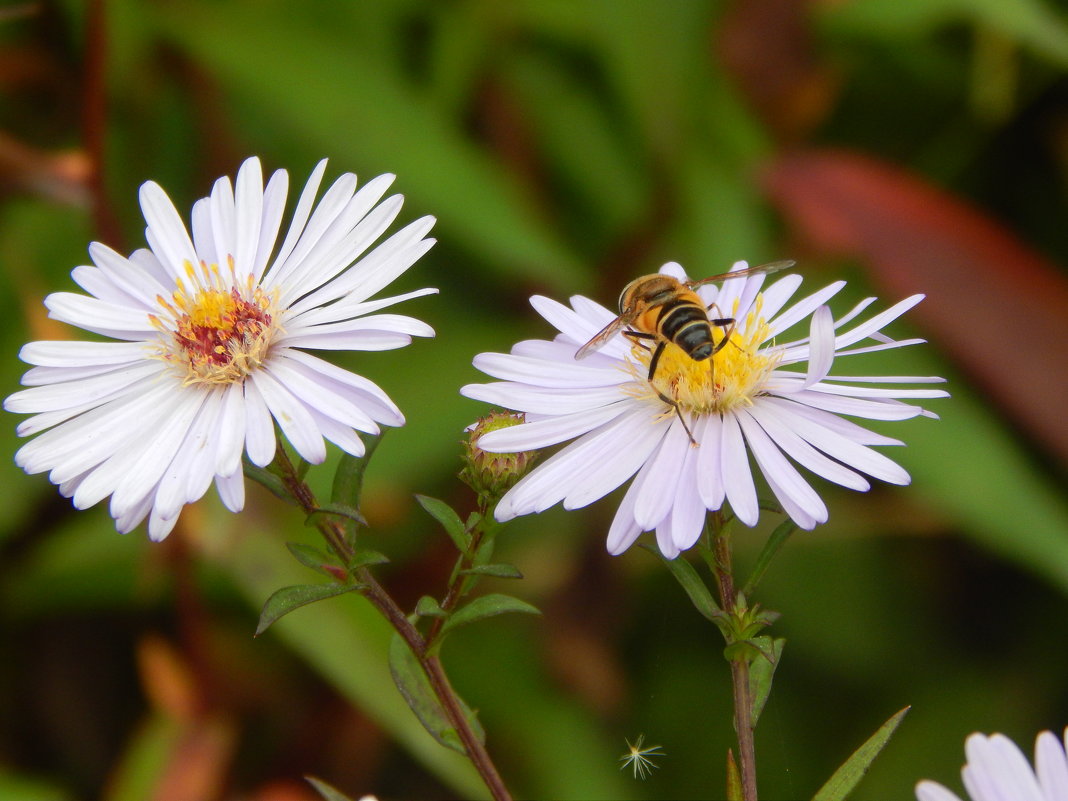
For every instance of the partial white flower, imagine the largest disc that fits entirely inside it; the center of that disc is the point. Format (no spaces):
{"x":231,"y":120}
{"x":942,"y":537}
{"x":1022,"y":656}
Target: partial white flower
{"x":998,"y":771}
{"x":744,"y":401}
{"x":213,"y":337}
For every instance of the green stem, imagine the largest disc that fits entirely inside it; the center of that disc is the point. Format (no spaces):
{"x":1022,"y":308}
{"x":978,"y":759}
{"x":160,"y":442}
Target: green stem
{"x":334,"y":534}
{"x":743,"y":701}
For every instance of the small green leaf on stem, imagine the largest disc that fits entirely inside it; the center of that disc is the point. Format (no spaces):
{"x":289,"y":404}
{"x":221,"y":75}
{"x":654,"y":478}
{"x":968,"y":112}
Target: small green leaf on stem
{"x":328,"y":792}
{"x":310,"y":556}
{"x":497,"y":570}
{"x":429,"y":607}
{"x":348,"y":480}
{"x":734,"y":779}
{"x":272,"y":481}
{"x":846,"y":778}
{"x":450,"y":521}
{"x":414,"y":686}
{"x":334,"y":510}
{"x":777,"y":539}
{"x":285,"y":600}
{"x":691,"y":583}
{"x":487,"y":606}
{"x":366,"y":558}
{"x":762,"y":671}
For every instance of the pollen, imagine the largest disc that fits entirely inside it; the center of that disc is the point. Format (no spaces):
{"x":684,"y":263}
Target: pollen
{"x":732,"y":377}
{"x":216,"y":329}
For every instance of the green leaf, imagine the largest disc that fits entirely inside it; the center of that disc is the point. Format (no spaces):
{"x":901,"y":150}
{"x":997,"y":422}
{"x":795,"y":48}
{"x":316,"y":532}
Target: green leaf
{"x":734,"y":779}
{"x":413,"y":684}
{"x":287,"y":599}
{"x":761,"y":673}
{"x":498,"y":570}
{"x":777,"y":539}
{"x":264,"y":477}
{"x":348,"y":478}
{"x":366,"y":557}
{"x":310,"y":556}
{"x":487,"y":606}
{"x":691,"y":583}
{"x":846,"y":778}
{"x":342,"y":510}
{"x":450,"y":521}
{"x":429,"y":607}
{"x":327,"y":791}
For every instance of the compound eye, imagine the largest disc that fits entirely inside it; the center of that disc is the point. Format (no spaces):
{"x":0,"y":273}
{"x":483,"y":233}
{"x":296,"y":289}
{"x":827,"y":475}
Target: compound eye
{"x":623,"y":296}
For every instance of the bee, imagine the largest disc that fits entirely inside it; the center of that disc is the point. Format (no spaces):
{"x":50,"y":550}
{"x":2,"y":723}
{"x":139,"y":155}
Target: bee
{"x":661,"y":309}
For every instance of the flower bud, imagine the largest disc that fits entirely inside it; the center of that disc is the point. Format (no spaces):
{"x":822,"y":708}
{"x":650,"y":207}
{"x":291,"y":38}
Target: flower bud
{"x":492,"y":474}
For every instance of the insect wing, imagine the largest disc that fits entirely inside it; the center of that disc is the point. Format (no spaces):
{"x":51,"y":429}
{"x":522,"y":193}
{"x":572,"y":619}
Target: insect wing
{"x":761,"y":269}
{"x":605,"y":334}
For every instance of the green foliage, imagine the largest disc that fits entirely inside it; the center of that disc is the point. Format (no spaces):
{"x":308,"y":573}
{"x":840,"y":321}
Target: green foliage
{"x":847,"y":777}
{"x":283,"y":601}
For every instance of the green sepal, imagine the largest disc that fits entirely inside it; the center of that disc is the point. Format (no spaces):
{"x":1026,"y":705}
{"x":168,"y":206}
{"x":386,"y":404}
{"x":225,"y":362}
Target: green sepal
{"x":761,"y":673}
{"x":330,"y":510}
{"x":414,"y":686}
{"x":327,"y":791}
{"x":699,"y":594}
{"x":734,"y":779}
{"x":285,"y":600}
{"x":450,"y":521}
{"x":486,"y":606}
{"x":498,"y":570}
{"x":429,"y":607}
{"x":315,"y":558}
{"x":848,"y":776}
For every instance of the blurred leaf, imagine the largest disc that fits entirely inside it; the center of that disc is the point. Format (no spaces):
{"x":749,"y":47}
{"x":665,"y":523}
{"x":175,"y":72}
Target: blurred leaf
{"x":24,"y":788}
{"x":487,"y":606}
{"x":429,"y":607}
{"x":379,"y":121}
{"x":347,"y":513}
{"x":310,"y":556}
{"x":777,"y":539}
{"x":144,"y":759}
{"x":285,"y":600}
{"x":847,"y":777}
{"x":980,"y":280}
{"x":415,"y":687}
{"x":1033,"y":23}
{"x":734,"y":779}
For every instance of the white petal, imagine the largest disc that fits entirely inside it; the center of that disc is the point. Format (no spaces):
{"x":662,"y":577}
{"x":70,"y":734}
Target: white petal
{"x":550,"y":431}
{"x":274,"y":206}
{"x":605,"y":474}
{"x":230,"y":433}
{"x":877,"y":322}
{"x":803,"y":308}
{"x":998,"y":766}
{"x":74,"y":353}
{"x":1051,"y":766}
{"x":933,"y":791}
{"x":798,"y":499}
{"x":821,"y":336}
{"x":624,"y":531}
{"x":656,"y":492}
{"x":296,"y":378}
{"x":300,"y":218}
{"x":547,"y":374}
{"x":297,"y":425}
{"x":107,"y":319}
{"x":368,"y":395}
{"x":708,"y":432}
{"x":223,"y":219}
{"x":687,"y":513}
{"x":248,"y":202}
{"x":857,"y":407}
{"x":96,"y":389}
{"x":127,"y":276}
{"x":166,"y":231}
{"x":232,"y":490}
{"x":259,"y":430}
{"x":536,"y":400}
{"x":737,"y":478}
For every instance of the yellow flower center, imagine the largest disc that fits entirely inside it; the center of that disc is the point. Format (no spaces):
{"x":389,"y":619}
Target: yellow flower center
{"x":216,"y":331}
{"x":732,"y":377}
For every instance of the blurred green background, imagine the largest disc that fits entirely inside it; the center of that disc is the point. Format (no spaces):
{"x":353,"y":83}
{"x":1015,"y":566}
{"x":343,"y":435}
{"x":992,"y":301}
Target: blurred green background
{"x":565,"y":146}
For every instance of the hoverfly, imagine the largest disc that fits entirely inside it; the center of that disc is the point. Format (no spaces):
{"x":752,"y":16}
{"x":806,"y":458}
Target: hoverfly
{"x":663,"y":309}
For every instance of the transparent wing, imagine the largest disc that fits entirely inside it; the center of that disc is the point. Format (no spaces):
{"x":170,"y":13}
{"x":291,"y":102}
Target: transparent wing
{"x":762,"y":269}
{"x":605,"y":334}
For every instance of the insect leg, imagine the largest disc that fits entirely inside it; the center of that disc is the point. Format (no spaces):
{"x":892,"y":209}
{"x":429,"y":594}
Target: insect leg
{"x":669,"y":401}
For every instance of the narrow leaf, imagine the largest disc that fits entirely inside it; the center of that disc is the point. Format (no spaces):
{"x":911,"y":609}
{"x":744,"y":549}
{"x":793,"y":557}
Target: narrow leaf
{"x":342,"y":510}
{"x":429,"y":607}
{"x":348,"y":480}
{"x":366,"y":557}
{"x":287,"y":599}
{"x":487,"y":606}
{"x":777,"y":539}
{"x":310,"y":556}
{"x":327,"y":791}
{"x":265,"y":478}
{"x":734,"y":779}
{"x":846,"y":778}
{"x":413,"y":684}
{"x":450,"y":521}
{"x":761,"y":673}
{"x":498,"y":570}
{"x":694,"y":587}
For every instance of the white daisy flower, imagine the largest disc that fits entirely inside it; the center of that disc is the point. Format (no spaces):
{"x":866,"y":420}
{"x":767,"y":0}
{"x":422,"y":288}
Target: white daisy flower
{"x":214,"y":334}
{"x":744,"y":400}
{"x":998,"y":771}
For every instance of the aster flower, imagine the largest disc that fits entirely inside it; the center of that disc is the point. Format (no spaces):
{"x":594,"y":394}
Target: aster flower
{"x":213,"y":335}
{"x":998,"y":771}
{"x":747,"y":401}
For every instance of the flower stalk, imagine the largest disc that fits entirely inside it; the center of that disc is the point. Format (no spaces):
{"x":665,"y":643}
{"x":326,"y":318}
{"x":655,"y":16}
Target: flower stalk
{"x":334,"y":533}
